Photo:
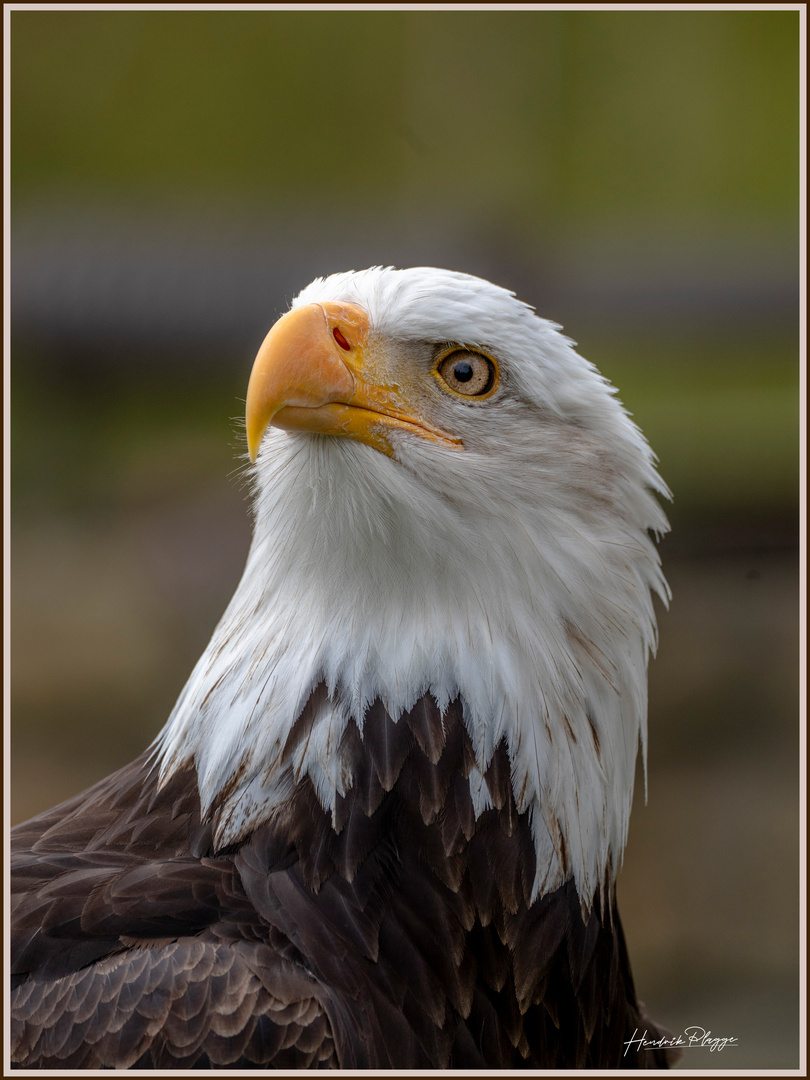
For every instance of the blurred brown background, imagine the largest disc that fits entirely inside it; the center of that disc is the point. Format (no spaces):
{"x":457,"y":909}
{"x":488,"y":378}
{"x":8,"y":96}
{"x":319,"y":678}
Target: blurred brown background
{"x":178,"y":176}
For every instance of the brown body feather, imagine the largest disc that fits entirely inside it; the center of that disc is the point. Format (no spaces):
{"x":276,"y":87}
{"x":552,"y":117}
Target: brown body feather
{"x":396,"y":933}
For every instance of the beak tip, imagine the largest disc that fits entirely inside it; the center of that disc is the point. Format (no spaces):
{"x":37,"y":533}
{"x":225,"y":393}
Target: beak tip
{"x":256,"y":424}
{"x":254,"y":438}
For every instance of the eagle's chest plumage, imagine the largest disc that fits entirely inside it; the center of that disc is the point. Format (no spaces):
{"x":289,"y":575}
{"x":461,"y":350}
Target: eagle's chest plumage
{"x":395,"y":932}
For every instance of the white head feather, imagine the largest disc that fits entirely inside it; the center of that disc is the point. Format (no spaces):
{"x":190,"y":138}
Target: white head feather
{"x":516,"y":574}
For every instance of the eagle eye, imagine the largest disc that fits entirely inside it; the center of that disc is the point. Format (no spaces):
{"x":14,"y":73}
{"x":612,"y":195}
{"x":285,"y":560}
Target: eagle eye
{"x":467,"y":373}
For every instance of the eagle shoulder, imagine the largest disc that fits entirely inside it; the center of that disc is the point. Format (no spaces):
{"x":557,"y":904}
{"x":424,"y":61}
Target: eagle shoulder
{"x":135,"y":947}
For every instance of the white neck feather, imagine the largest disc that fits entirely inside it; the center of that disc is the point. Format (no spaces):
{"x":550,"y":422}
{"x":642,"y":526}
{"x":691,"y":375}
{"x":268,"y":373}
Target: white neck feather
{"x":531,"y":604}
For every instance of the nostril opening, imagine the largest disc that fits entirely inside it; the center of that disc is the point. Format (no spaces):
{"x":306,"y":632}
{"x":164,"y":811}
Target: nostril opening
{"x":341,"y":340}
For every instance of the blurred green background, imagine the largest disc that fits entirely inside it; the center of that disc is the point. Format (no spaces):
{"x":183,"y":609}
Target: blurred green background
{"x":178,"y":176}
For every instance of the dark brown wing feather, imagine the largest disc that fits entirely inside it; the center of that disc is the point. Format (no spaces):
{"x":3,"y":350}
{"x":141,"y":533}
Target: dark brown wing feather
{"x":403,"y":937}
{"x":175,"y":1004}
{"x":132,"y":948}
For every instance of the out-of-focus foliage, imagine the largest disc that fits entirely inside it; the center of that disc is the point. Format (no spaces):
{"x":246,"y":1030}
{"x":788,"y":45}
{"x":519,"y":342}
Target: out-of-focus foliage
{"x":511,"y":115}
{"x":724,"y":423}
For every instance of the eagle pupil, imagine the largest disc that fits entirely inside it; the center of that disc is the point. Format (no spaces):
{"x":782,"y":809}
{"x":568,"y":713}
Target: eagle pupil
{"x":463,"y":371}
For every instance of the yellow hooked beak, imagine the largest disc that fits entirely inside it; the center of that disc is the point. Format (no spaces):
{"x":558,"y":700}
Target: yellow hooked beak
{"x":311,"y":374}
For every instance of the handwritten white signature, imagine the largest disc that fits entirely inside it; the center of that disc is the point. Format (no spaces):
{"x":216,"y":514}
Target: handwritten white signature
{"x":692,"y":1037}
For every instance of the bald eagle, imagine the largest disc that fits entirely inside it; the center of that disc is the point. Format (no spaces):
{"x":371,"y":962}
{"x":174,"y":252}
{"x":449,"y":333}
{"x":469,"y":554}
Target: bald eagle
{"x":382,"y":825}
